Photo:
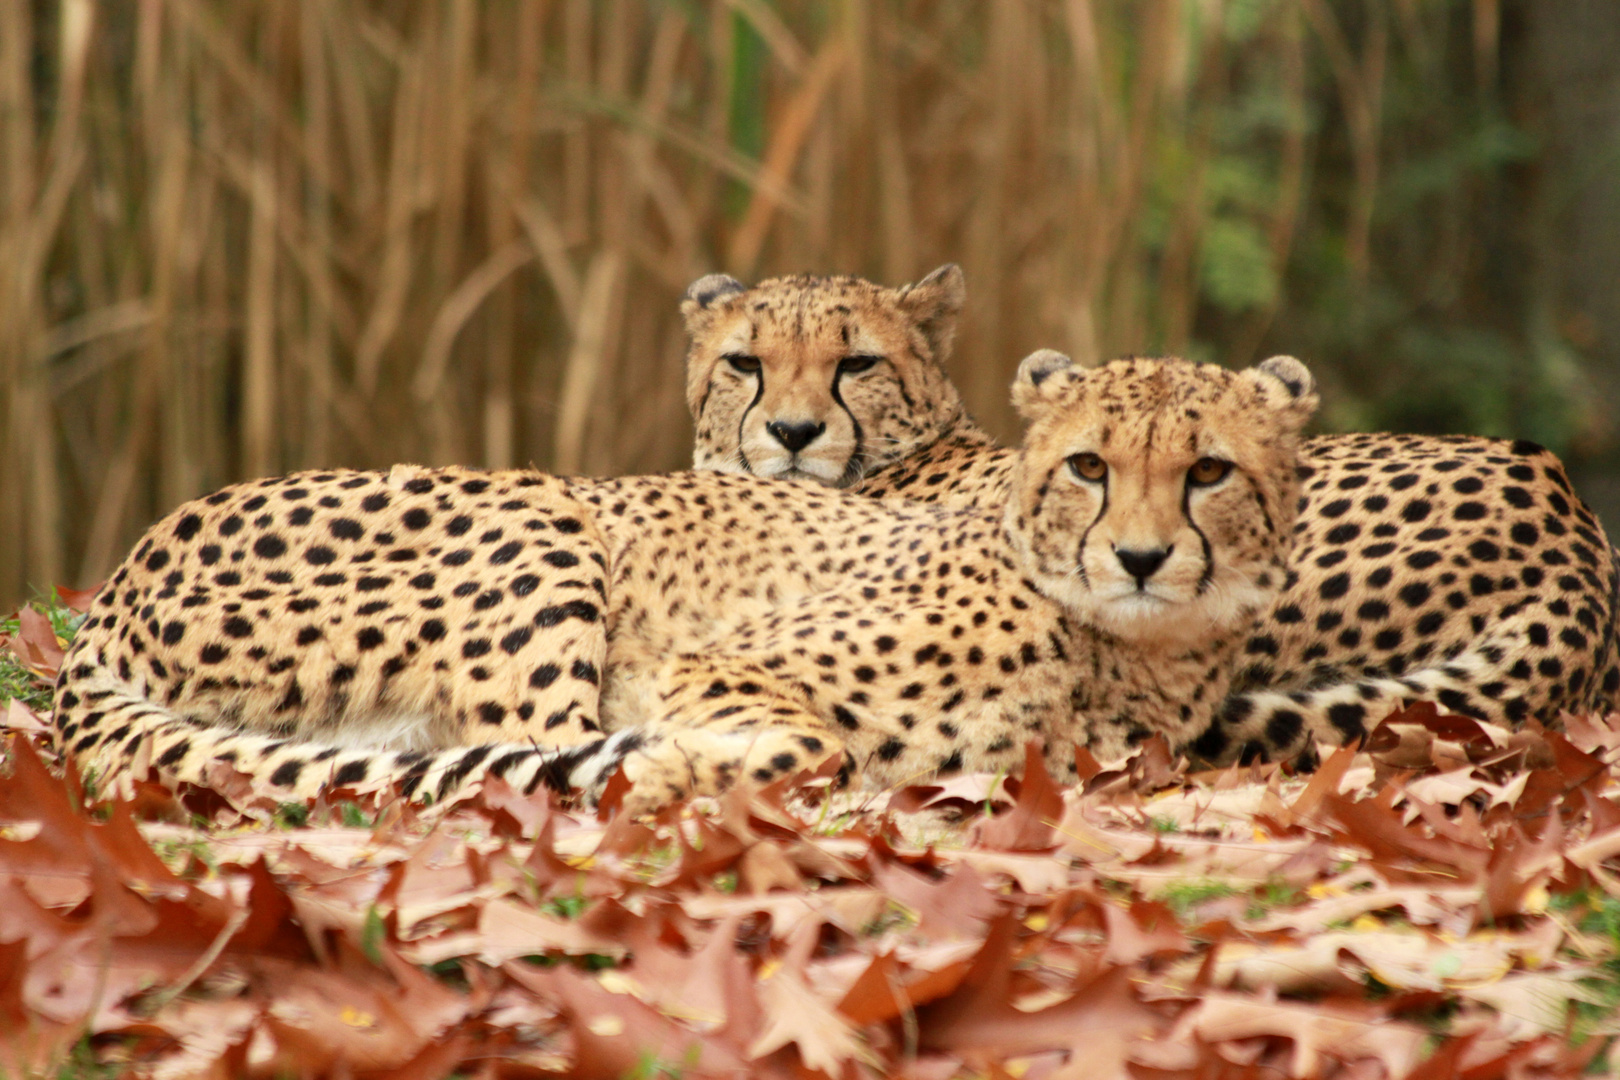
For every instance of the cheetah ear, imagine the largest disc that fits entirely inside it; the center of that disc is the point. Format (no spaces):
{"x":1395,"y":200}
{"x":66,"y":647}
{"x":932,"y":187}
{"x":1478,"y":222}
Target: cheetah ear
{"x":1287,"y":385}
{"x":933,"y":304}
{"x":704,"y":294}
{"x":1034,"y":383}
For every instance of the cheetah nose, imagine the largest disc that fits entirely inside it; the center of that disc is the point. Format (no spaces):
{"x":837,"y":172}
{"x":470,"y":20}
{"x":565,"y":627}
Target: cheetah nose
{"x":1141,"y":564}
{"x":795,"y":436}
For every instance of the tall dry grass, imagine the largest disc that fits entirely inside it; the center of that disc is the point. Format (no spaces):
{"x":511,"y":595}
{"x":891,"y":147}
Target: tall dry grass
{"x":239,"y":238}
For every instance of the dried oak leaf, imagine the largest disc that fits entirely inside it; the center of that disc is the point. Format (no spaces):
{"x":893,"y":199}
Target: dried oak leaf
{"x":962,"y":794}
{"x":1037,"y":808}
{"x":708,"y":988}
{"x":897,"y":982}
{"x":1595,"y":734}
{"x":615,"y":1034}
{"x":36,"y":643}
{"x":507,"y":930}
{"x":795,"y":1015}
{"x":20,"y":718}
{"x":1410,"y":960}
{"x":1403,"y":852}
{"x":77,"y":600}
{"x":1572,"y":770}
{"x":1519,"y":869}
{"x":1599,"y":856}
{"x":352,"y":1013}
{"x":1532,"y":1003}
{"x":956,"y":905}
{"x":1318,"y":1033}
{"x":512,"y":813}
{"x":1420,"y":736}
{"x":1146,"y":928}
{"x":1097,"y":1023}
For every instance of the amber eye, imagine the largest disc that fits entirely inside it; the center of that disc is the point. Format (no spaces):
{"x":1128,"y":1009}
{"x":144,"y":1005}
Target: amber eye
{"x":1088,"y":467}
{"x":1208,"y":470}
{"x":742,"y":362}
{"x":854,"y":365}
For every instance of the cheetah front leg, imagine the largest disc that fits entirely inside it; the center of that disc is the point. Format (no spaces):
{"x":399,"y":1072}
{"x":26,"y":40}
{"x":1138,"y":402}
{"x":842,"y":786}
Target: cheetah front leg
{"x":718,"y":721}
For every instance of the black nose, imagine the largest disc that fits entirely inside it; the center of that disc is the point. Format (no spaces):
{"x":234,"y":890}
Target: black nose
{"x":1141,"y":564}
{"x":795,"y":436}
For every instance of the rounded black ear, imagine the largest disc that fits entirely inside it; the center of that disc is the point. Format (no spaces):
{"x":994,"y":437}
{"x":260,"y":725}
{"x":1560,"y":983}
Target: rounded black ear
{"x":1291,"y":373}
{"x":1034,"y":379}
{"x":705,"y":291}
{"x":1287,"y":385}
{"x":933,"y":304}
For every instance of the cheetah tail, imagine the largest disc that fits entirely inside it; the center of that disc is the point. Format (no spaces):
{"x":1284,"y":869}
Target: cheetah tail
{"x":107,"y":728}
{"x":1280,"y":725}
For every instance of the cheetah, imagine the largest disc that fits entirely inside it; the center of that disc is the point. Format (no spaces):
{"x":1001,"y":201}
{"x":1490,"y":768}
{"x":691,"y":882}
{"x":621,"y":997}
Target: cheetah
{"x":1452,"y":569}
{"x":434,"y":626}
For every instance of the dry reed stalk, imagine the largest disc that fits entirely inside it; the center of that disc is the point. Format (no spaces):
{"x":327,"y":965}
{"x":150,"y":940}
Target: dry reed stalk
{"x":318,"y":237}
{"x":403,"y":192}
{"x":259,"y":358}
{"x":544,"y":233}
{"x":316,"y":233}
{"x":1487,"y":25}
{"x":453,"y":314}
{"x":599,"y":303}
{"x":1361,"y":91}
{"x":17,"y":173}
{"x":684,"y":260}
{"x":781,"y":157}
{"x":1177,"y":279}
{"x":1290,"y":186}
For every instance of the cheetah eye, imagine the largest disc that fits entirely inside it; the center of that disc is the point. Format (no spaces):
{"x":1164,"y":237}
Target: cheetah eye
{"x":854,"y":365}
{"x":1207,"y":470}
{"x":743,"y":363}
{"x":1088,"y":467}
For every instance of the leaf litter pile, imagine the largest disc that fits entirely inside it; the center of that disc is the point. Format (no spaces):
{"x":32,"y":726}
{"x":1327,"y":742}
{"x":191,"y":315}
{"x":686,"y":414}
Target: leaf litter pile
{"x":1444,"y":902}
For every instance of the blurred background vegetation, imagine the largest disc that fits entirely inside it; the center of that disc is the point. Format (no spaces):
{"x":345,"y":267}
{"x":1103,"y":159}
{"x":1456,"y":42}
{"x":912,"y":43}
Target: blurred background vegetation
{"x":240,"y":237}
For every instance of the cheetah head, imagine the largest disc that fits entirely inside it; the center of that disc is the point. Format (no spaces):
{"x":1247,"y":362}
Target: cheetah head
{"x":1156,"y":497}
{"x":820,"y":379}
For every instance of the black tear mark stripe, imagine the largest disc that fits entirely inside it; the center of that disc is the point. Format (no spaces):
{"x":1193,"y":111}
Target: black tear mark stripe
{"x":708,"y":388}
{"x":759,"y":392}
{"x":1080,"y":560}
{"x":1207,"y":576}
{"x":852,"y":468}
{"x":900,"y":379}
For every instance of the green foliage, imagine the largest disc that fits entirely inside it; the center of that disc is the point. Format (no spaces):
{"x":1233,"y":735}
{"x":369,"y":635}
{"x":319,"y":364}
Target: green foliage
{"x":1598,"y":915}
{"x":746,"y":114}
{"x":352,"y":816}
{"x":16,"y":681}
{"x":1236,"y":272}
{"x":84,"y":1063}
{"x":1184,"y":896}
{"x":292,"y":815}
{"x":566,"y":907}
{"x":373,"y":933}
{"x":652,"y":1067}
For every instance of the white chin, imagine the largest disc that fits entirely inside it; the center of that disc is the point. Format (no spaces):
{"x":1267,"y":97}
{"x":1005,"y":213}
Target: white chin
{"x":1148,"y":618}
{"x":817,"y":472}
{"x":1137,"y":616}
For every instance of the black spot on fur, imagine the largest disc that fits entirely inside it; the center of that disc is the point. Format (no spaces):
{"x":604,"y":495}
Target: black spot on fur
{"x":269,"y":546}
